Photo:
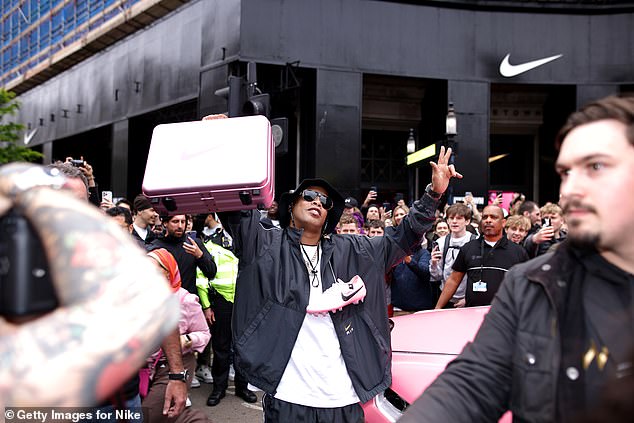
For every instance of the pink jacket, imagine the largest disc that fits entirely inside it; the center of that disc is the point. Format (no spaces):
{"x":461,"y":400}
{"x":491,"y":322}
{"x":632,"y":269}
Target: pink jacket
{"x":192,"y":321}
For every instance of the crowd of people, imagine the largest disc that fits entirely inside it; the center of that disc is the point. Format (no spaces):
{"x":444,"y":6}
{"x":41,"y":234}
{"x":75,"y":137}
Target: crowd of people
{"x":295,"y":299}
{"x":446,"y":272}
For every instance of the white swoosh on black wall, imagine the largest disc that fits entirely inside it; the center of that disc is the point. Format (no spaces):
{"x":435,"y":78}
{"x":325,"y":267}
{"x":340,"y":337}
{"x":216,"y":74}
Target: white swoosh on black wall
{"x":508,"y":70}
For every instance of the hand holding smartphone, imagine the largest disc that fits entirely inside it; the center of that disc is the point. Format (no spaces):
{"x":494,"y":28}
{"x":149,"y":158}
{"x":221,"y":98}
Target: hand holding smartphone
{"x":191,"y":247}
{"x":436,"y":255}
{"x":106,"y":196}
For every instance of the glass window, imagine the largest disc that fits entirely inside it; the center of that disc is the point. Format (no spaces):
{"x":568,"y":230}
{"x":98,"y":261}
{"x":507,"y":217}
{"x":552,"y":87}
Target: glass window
{"x":56,"y":27}
{"x":15,"y":24}
{"x":33,"y":43}
{"x":6,"y":29}
{"x":95,"y":7}
{"x":69,"y":17}
{"x":44,"y":6}
{"x":81,"y":12}
{"x":45,"y":34}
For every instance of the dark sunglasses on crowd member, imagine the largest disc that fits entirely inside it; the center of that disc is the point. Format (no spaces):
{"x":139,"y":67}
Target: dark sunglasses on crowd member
{"x":310,"y":195}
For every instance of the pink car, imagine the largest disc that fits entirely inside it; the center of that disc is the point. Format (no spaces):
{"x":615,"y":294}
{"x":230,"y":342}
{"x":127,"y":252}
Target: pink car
{"x":422,"y":345}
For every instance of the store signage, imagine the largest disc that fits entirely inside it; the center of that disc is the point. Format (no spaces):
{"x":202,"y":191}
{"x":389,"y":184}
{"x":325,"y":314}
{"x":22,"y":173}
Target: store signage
{"x":508,"y":70}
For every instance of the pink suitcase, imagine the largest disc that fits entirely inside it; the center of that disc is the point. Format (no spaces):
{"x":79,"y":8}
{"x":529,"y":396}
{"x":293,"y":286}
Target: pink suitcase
{"x":211,"y":165}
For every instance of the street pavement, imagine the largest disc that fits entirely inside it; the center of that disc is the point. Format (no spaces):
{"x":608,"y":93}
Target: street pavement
{"x":231,"y":408}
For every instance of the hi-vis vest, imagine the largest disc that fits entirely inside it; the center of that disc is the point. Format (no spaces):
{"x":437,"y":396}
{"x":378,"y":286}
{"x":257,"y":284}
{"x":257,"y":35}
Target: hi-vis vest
{"x":225,"y":281}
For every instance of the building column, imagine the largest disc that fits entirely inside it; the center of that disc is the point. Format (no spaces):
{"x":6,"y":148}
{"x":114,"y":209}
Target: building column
{"x":338,"y":129}
{"x":472,"y":103}
{"x":119,"y":169}
{"x":47,"y":150}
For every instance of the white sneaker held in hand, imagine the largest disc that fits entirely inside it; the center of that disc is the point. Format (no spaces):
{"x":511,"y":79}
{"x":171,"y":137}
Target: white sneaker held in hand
{"x":339,"y":295}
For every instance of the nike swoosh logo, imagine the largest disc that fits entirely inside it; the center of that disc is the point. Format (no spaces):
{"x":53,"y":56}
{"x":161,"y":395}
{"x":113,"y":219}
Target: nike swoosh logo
{"x":508,"y":70}
{"x":347,"y":297}
{"x":29,"y":136}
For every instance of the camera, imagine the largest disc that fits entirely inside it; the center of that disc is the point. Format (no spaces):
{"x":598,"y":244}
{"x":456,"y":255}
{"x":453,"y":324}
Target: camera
{"x":26,"y":287}
{"x":77,"y":163}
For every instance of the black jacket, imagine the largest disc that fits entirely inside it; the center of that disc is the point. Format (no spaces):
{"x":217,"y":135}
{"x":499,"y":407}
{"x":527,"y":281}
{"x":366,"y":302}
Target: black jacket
{"x":143,"y":243}
{"x":535,"y":250}
{"x":483,"y":263}
{"x":273,"y":288}
{"x":186,"y":262}
{"x":515,"y":360}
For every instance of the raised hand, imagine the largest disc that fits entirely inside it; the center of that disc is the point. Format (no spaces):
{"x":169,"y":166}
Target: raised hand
{"x":443,"y":171}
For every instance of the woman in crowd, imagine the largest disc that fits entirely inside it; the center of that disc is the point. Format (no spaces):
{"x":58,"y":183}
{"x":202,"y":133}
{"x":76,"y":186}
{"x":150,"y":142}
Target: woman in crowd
{"x":441,"y":229}
{"x":194,"y":337}
{"x":398,"y":214}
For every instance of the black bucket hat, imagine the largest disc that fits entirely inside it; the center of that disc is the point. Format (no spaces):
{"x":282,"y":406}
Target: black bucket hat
{"x":334,"y":214}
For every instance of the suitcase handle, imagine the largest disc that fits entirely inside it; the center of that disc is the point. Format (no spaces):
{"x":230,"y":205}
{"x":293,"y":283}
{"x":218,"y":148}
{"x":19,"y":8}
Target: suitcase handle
{"x":245,"y":198}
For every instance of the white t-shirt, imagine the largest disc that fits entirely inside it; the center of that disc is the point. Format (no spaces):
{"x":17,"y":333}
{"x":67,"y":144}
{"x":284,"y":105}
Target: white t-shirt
{"x":491,"y":243}
{"x":141,"y":231}
{"x":452,"y":253}
{"x":316,"y":375}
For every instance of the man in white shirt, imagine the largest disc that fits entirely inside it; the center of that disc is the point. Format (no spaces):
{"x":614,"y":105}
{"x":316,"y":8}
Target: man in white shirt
{"x":144,"y":218}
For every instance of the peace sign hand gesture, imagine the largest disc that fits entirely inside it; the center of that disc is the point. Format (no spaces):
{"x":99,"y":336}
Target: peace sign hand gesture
{"x":442,"y":171}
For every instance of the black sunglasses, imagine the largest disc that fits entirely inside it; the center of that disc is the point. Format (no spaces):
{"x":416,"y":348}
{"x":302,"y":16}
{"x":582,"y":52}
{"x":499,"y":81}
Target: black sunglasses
{"x":310,"y":195}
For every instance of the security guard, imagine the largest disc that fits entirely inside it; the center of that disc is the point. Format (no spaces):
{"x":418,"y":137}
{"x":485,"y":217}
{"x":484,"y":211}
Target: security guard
{"x":216,"y":297}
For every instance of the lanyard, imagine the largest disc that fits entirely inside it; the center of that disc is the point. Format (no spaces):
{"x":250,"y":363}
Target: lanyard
{"x":488,"y":254}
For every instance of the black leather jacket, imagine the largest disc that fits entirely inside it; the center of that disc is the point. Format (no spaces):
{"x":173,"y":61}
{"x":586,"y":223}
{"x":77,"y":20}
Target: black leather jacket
{"x":273,"y":287}
{"x":514,"y":360}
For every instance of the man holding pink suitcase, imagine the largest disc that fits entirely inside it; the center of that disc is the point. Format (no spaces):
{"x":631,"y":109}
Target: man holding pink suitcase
{"x":310,"y":325}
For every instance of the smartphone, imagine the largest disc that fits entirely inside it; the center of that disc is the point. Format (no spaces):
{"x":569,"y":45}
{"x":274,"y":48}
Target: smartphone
{"x":373,"y":188}
{"x":77,"y":163}
{"x":106,"y":196}
{"x":387,"y":206}
{"x":468,"y":193}
{"x":191,"y":234}
{"x":545,"y":221}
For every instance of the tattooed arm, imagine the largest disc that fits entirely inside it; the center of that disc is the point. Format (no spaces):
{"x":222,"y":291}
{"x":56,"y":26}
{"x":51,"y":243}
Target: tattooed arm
{"x":114,"y":309}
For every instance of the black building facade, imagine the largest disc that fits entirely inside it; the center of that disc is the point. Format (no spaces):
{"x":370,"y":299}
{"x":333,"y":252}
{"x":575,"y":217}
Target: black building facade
{"x":352,"y":76}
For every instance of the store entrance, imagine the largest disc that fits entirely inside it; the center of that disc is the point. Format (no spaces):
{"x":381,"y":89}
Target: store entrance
{"x":511,"y":163}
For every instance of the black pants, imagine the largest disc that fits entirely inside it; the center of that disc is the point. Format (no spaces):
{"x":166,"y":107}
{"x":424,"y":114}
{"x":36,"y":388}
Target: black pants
{"x":276,"y":410}
{"x":221,"y":345}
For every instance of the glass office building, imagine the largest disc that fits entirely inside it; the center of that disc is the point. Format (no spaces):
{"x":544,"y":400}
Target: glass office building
{"x":34,"y":31}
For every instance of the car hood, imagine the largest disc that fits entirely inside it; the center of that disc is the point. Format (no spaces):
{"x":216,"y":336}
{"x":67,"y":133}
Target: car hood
{"x":437,"y":331}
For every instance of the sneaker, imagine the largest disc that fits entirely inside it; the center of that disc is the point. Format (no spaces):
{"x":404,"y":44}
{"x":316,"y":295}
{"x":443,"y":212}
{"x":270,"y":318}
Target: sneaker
{"x":203,"y":373}
{"x":339,"y":295}
{"x":232,"y":373}
{"x":195,"y":383}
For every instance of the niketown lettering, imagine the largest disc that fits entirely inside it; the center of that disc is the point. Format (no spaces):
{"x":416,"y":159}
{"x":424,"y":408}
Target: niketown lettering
{"x":508,"y":70}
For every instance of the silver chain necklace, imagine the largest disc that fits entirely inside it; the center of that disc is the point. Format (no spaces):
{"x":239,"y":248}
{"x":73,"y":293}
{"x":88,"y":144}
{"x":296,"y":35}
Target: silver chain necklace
{"x":312,"y":265}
